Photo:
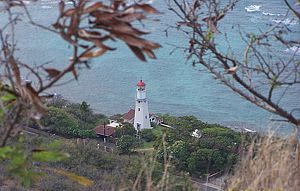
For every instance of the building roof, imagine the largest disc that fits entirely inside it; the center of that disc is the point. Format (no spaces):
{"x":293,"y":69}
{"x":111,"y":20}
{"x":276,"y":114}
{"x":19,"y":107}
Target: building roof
{"x":129,"y":115}
{"x":99,"y":130}
{"x":141,"y":83}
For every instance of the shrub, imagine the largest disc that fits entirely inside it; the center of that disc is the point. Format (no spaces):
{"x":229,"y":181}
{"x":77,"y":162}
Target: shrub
{"x":269,"y":164}
{"x":127,"y":143}
{"x":147,"y":135}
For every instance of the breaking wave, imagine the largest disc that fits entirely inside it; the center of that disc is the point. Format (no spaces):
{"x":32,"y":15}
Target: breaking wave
{"x":286,"y":21}
{"x":253,"y":8}
{"x":46,"y":7}
{"x":272,"y":14}
{"x":294,"y":50}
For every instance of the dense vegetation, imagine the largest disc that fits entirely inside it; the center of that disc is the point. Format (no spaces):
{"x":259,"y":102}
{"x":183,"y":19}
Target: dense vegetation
{"x":211,"y":148}
{"x":87,"y":164}
{"x":72,"y":119}
{"x":197,"y":147}
{"x":193,"y":146}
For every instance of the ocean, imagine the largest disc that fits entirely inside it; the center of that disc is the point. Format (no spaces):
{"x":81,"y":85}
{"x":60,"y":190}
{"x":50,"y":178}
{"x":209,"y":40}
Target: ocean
{"x":173,"y":86}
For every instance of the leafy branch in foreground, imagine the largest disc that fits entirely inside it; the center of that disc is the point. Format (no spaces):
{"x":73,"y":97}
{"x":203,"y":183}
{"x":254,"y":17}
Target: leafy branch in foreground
{"x":261,"y":75}
{"x":86,"y":26}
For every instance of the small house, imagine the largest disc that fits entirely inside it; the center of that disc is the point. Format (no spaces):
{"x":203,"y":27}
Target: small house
{"x":129,"y":116}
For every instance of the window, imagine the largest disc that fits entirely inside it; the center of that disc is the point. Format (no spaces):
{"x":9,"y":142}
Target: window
{"x":146,"y":117}
{"x":139,"y":109}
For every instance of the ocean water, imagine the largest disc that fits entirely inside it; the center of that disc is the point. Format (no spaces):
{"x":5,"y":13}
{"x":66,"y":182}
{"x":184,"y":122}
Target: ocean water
{"x":173,"y":86}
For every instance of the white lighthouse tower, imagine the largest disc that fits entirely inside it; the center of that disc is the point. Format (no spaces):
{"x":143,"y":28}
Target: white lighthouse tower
{"x":141,"y":116}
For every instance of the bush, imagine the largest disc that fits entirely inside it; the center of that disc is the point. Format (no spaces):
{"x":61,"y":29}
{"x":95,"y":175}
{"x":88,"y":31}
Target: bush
{"x":127,"y":143}
{"x":127,"y":129}
{"x":60,"y":121}
{"x":147,"y":135}
{"x":64,"y":123}
{"x":216,"y":150}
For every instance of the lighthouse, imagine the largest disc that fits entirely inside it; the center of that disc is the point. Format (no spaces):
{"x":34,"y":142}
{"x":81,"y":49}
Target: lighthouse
{"x":141,"y":116}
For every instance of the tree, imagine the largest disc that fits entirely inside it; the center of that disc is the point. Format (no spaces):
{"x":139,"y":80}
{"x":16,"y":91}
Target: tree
{"x":126,"y":129}
{"x":60,"y":120}
{"x":147,"y":135}
{"x":216,"y":149}
{"x":83,"y":27}
{"x":261,"y":76}
{"x":179,"y":152}
{"x":85,"y":110}
{"x":126,"y":144}
{"x":86,"y":26}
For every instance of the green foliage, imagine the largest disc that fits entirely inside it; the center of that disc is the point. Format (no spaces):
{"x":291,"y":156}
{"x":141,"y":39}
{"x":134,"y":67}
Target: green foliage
{"x":20,"y":162}
{"x":147,"y":135}
{"x":210,"y":35}
{"x":199,"y":161}
{"x":60,"y":120}
{"x":5,"y":151}
{"x":126,"y":144}
{"x":179,"y":152}
{"x":66,"y":124}
{"x":127,"y":129}
{"x":8,"y":97}
{"x":213,"y":151}
{"x":84,"y":116}
{"x":48,"y":156}
{"x":107,"y":170}
{"x":7,"y":100}
{"x":75,"y":120}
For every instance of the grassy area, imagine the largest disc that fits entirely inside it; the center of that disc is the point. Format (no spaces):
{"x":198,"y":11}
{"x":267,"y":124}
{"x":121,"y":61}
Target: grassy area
{"x":158,"y":130}
{"x":147,"y":145}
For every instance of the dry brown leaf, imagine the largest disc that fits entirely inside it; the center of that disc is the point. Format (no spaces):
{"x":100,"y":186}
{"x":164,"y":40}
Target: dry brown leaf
{"x":88,"y":34}
{"x":52,"y":72}
{"x":150,"y":53}
{"x":146,"y":8}
{"x":129,"y":10}
{"x":71,"y":30}
{"x":92,"y":54}
{"x":138,"y":42}
{"x":69,"y":12}
{"x":35,"y":99}
{"x":128,"y":29}
{"x":138,"y":52}
{"x":99,"y":44}
{"x":102,"y":16}
{"x":131,"y":17}
{"x":93,"y":7}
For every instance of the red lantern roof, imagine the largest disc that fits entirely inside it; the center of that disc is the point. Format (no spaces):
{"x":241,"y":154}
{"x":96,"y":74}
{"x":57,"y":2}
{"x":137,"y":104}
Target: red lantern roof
{"x":141,"y":83}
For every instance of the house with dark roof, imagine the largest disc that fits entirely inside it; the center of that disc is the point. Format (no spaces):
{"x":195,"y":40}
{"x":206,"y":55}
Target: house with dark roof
{"x":105,"y":131}
{"x":129,"y":116}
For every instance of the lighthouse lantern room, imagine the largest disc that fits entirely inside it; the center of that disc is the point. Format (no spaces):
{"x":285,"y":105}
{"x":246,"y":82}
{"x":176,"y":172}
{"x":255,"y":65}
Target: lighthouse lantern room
{"x":141,"y":116}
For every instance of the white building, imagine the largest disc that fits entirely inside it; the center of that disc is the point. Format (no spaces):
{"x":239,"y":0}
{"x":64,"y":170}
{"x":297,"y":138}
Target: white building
{"x":141,"y":115}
